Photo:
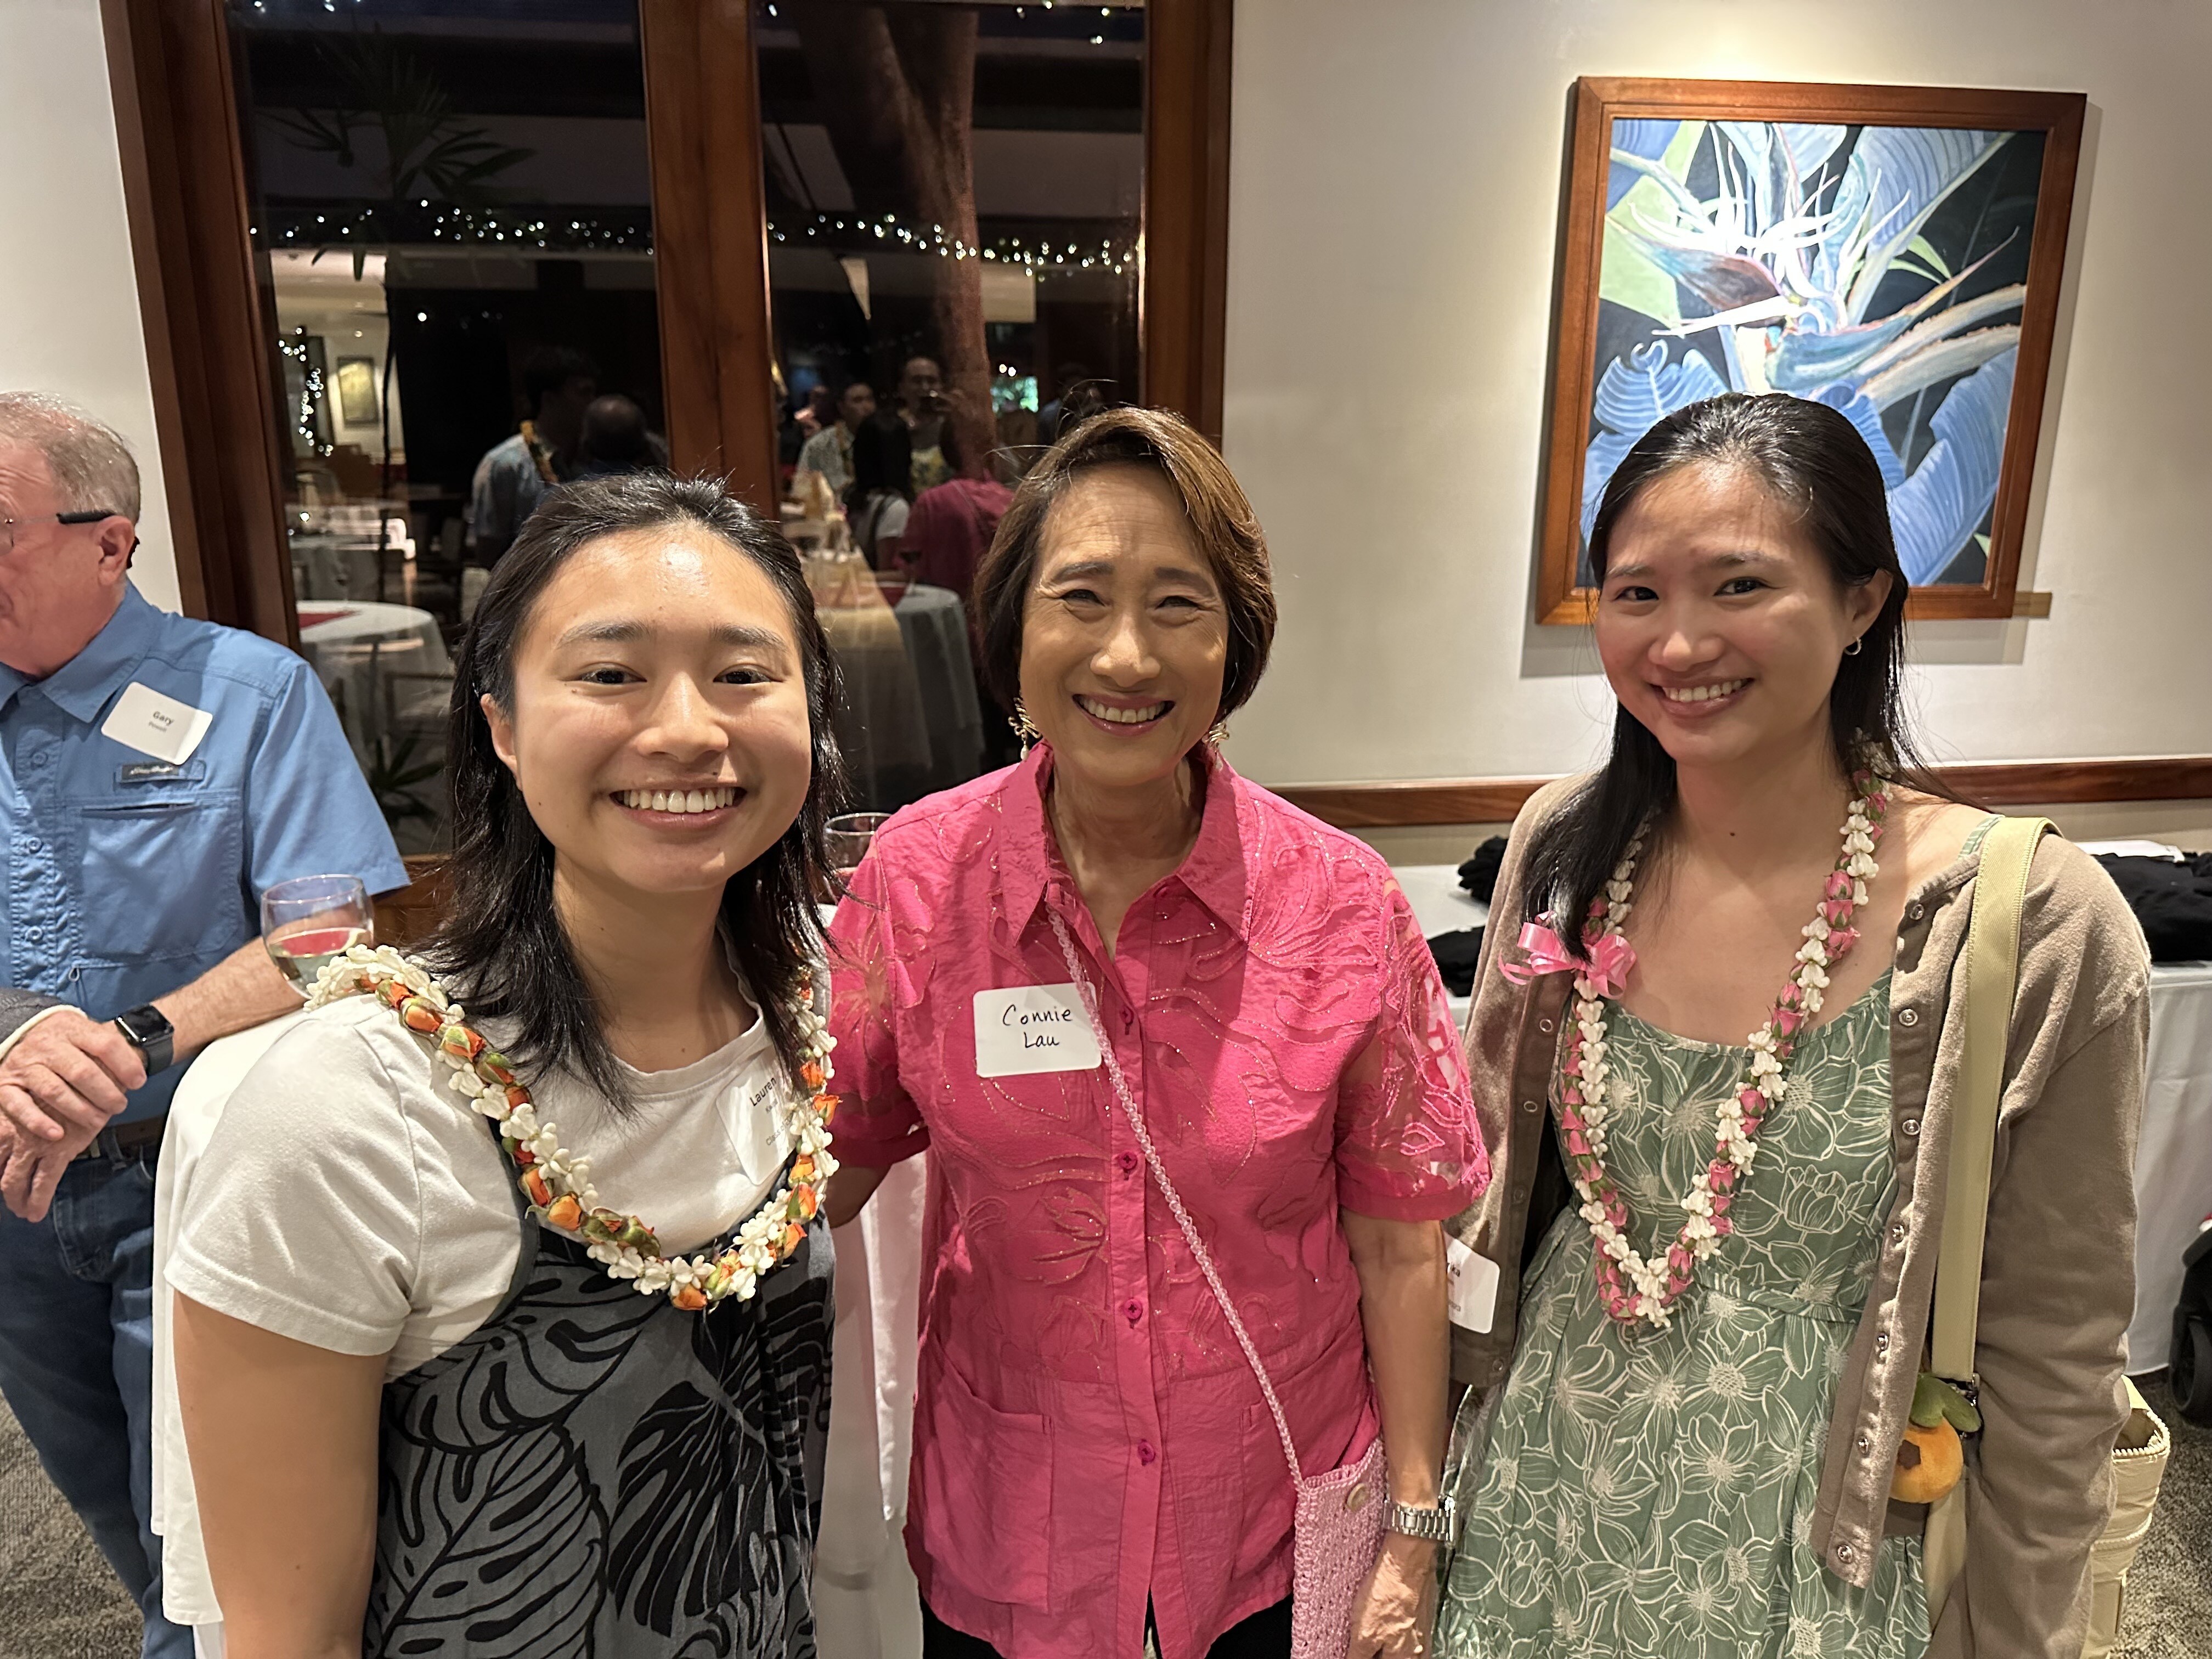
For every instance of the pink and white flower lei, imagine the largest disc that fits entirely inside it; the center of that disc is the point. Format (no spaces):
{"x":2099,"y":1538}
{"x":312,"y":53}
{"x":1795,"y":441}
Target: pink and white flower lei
{"x":1634,"y":1289}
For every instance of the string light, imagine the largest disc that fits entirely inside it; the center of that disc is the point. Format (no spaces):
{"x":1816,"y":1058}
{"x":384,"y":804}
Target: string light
{"x":444,"y":225}
{"x":1042,"y":259}
{"x":311,"y":388}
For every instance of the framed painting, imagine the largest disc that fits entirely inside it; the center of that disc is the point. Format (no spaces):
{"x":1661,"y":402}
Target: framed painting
{"x":357,"y":400}
{"x":1894,"y":251}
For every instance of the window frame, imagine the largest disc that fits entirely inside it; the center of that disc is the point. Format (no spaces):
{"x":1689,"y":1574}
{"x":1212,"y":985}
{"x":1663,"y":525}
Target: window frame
{"x":209,"y":308}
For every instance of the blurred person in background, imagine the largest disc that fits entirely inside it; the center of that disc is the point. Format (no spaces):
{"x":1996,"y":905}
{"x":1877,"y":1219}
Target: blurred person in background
{"x":922,"y":406}
{"x":881,"y":495}
{"x":156,"y":776}
{"x":559,"y":384}
{"x":829,"y":451}
{"x":615,"y":438}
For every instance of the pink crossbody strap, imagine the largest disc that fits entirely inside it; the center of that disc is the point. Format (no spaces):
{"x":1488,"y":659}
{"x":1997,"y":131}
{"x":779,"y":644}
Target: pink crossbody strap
{"x":1175,"y":1199}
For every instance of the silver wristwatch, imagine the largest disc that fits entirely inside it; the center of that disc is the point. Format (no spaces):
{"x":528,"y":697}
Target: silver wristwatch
{"x":1440,"y":1524}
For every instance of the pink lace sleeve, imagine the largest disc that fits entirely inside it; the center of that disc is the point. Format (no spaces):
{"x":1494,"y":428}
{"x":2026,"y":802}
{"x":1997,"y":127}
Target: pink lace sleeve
{"x":876,"y":1124}
{"x":1408,"y":1147}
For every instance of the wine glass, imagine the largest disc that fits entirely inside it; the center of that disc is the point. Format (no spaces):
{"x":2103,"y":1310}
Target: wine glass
{"x":848,"y":834}
{"x":307,"y":921}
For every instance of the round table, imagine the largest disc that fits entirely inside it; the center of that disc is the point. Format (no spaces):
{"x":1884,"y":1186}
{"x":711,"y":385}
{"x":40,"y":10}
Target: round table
{"x":383,"y":665}
{"x":911,"y":722}
{"x":933,"y":623}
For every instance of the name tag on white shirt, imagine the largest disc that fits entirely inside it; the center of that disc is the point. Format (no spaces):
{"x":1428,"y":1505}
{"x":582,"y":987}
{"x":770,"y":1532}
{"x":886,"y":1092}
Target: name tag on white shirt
{"x":1031,"y":1029}
{"x":1473,"y":1294}
{"x":143,"y":719}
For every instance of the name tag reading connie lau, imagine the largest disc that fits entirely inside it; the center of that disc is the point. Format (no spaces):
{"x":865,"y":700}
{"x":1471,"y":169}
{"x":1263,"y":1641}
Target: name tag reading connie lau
{"x":1033,"y":1028}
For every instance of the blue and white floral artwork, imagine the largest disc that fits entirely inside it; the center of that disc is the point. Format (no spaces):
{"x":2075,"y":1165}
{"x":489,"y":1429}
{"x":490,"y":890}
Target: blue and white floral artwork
{"x":1882,"y":270}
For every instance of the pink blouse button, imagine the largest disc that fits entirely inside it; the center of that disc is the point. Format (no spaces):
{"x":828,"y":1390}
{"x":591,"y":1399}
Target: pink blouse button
{"x":1146,"y":1455}
{"x":1126,"y":1163}
{"x":1132,"y":1310}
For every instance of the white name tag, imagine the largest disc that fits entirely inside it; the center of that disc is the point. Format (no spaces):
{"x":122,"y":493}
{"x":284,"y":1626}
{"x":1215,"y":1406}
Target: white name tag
{"x":1033,"y":1028}
{"x":1472,"y":1296}
{"x":143,"y":719}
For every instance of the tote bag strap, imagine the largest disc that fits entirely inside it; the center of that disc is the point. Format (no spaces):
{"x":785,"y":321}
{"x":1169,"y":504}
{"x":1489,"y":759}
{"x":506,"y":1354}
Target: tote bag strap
{"x":1992,"y":973}
{"x":1175,"y":1199}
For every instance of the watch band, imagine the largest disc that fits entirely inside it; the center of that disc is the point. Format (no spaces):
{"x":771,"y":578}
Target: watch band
{"x":1438,"y":1524}
{"x":149,"y":1032}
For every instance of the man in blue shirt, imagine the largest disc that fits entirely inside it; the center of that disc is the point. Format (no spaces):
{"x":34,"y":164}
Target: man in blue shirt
{"x":156,"y":775}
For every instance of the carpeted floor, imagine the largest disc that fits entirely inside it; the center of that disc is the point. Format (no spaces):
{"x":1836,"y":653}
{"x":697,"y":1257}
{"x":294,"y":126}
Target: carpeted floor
{"x":58,"y":1600}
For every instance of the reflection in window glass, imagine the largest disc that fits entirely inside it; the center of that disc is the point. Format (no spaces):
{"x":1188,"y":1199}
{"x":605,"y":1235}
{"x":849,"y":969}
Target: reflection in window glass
{"x":455,"y":203}
{"x":954,"y":198}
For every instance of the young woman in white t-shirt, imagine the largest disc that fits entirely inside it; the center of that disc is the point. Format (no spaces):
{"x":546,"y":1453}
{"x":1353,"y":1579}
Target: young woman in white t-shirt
{"x":442,"y":1391}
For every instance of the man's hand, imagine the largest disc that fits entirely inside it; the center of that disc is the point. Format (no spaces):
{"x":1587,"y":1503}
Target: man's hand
{"x":59,"y":1085}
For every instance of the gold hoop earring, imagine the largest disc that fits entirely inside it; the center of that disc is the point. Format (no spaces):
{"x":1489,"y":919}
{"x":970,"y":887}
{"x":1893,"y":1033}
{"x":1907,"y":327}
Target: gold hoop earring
{"x":1024,"y":727}
{"x":1854,"y":647}
{"x":1217,"y":734}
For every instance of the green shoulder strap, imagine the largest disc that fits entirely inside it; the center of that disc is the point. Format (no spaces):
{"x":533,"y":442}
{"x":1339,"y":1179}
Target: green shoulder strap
{"x":1992,"y":970}
{"x":1992,"y":973}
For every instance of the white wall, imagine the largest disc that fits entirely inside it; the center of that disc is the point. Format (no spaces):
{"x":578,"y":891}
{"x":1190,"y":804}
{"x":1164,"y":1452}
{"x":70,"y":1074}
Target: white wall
{"x":69,"y":296}
{"x":1395,"y":194}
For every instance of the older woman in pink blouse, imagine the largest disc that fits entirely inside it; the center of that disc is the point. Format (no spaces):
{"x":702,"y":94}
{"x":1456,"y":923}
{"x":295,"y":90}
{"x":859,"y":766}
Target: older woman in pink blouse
{"x":1092,"y":1452}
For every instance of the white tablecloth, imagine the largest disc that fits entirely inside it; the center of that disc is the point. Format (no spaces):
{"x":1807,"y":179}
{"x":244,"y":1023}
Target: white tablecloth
{"x":381,"y":663}
{"x":2173,"y":1155}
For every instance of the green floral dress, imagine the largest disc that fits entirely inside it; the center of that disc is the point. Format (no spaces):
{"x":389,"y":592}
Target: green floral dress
{"x":1653,"y":1494}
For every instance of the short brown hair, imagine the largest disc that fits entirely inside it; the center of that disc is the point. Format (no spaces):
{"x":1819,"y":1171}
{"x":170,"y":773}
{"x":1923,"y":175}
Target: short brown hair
{"x":1221,"y":523}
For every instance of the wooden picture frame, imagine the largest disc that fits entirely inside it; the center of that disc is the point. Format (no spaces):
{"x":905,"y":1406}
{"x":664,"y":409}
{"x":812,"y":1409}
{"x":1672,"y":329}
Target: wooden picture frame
{"x":1885,"y":174}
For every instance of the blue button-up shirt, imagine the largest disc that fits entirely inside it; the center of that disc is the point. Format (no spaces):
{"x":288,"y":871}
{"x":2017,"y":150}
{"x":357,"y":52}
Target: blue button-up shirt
{"x":127,"y":878}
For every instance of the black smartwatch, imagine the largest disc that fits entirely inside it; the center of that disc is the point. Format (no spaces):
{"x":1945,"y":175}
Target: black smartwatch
{"x":150,"y":1033}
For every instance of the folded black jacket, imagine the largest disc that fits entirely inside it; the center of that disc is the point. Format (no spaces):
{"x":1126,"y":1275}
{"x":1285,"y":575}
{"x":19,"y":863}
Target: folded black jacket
{"x":2173,"y":902}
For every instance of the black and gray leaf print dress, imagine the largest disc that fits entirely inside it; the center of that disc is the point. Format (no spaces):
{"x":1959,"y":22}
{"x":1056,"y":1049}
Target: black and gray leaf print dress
{"x":594,"y":1472}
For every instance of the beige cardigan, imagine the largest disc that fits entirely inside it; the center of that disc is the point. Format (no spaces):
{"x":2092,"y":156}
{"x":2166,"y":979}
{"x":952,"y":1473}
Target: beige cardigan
{"x":2058,"y":1274}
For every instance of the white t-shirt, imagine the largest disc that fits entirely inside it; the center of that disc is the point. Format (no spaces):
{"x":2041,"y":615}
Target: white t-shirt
{"x":351,"y":1199}
{"x":341,"y":1193}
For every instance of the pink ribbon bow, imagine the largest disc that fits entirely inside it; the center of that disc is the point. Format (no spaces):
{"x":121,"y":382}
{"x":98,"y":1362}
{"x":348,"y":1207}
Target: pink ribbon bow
{"x":1611,"y":959}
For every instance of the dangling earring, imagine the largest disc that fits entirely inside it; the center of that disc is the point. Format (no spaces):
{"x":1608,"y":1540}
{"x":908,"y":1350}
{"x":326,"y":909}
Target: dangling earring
{"x":1854,"y":647}
{"x":1217,"y":734}
{"x":1025,"y":728}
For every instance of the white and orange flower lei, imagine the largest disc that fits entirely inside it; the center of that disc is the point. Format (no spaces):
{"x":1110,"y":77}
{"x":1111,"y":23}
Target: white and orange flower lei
{"x":1632,"y":1288}
{"x":558,"y":1183}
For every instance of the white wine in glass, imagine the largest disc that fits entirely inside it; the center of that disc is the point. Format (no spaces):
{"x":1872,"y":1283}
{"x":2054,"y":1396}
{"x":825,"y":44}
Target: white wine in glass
{"x":307,"y":921}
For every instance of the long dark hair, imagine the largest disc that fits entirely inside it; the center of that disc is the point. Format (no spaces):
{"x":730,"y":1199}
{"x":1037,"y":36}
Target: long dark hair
{"x":502,"y":939}
{"x":1812,"y":458}
{"x":883,"y":459}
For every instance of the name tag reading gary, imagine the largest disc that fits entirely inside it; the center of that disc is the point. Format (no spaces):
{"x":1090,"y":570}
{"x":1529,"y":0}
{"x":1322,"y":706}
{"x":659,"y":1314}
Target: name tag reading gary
{"x":143,"y":719}
{"x":1033,"y":1028}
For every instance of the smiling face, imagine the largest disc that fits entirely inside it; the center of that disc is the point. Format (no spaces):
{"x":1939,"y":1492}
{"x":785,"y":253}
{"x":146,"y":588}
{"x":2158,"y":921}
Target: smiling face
{"x":1125,"y":637}
{"x":1719,"y":623}
{"x":658,"y":730}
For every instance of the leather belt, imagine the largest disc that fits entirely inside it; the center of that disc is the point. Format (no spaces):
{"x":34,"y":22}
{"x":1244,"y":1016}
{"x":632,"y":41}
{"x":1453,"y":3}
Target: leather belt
{"x":124,"y":1141}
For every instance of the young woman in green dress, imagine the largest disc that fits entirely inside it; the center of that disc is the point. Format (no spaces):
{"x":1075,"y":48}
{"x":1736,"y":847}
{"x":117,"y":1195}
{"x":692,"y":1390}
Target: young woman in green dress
{"x":1715,"y":1267}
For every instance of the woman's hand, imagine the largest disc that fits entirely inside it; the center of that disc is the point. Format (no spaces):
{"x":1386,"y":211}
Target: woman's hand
{"x":1397,"y":1611}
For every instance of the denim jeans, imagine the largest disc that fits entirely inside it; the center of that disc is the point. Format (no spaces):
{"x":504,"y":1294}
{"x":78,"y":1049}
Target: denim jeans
{"x":76,"y":1364}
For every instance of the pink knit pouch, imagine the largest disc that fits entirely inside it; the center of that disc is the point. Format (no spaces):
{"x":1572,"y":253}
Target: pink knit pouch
{"x":1338,"y":1531}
